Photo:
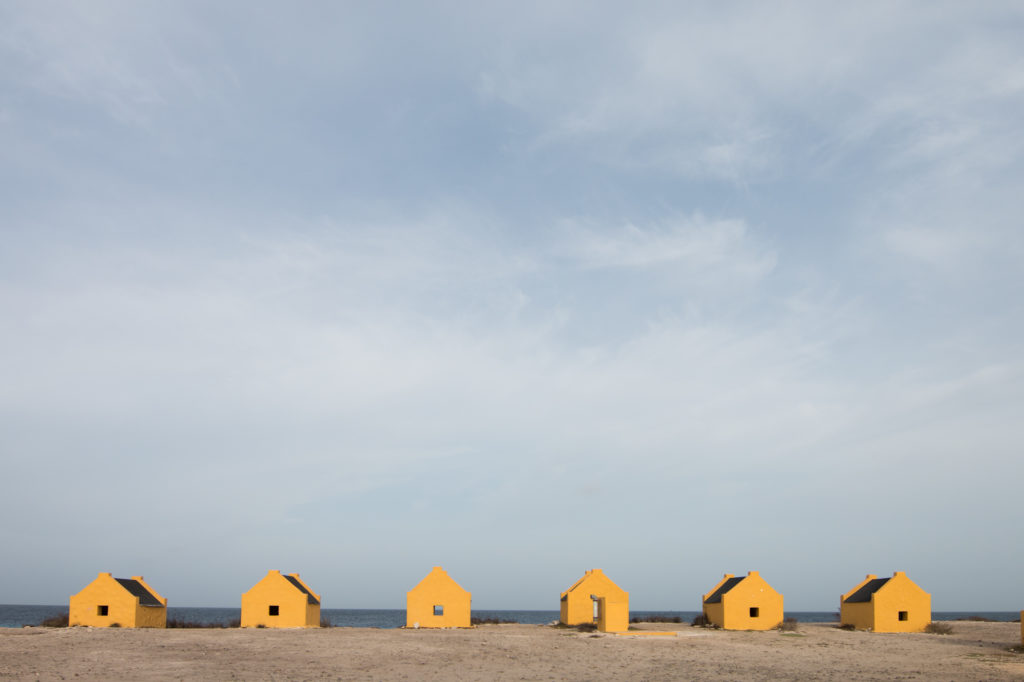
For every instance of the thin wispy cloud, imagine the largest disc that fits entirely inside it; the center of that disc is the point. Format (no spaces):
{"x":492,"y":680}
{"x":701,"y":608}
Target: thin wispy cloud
{"x":697,"y":245}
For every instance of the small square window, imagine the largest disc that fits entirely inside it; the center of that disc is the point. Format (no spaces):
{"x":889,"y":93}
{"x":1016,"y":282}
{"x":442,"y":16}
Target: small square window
{"x":755,"y":612}
{"x":903,"y":615}
{"x":274,"y":610}
{"x":102,"y":610}
{"x":438,"y":609}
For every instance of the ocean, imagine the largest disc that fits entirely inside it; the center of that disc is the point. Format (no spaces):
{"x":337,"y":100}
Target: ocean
{"x":16,"y":616}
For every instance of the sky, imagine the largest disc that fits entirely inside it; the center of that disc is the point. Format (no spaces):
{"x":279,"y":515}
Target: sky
{"x":520,"y":289}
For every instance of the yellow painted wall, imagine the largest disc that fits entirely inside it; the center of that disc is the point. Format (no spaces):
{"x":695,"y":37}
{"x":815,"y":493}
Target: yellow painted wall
{"x":612,"y":614}
{"x":751,"y":604}
{"x":881,"y":614}
{"x":713,"y":613}
{"x":576,"y":604}
{"x":437,"y":589}
{"x":860,"y":615}
{"x":293,"y":607}
{"x":122,"y":606}
{"x":151,"y":617}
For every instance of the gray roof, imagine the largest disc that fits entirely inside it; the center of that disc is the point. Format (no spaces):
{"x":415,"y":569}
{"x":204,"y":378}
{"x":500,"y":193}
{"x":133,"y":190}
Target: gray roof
{"x":146,"y":598}
{"x":309,"y":597}
{"x":866,"y":590}
{"x":716,"y":596}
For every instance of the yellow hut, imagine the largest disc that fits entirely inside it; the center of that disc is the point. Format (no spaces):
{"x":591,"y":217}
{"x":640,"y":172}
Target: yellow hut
{"x":744,"y":603}
{"x":893,"y":604}
{"x":280,"y":601}
{"x":126,"y":602}
{"x":437,"y":602}
{"x":594,"y":598}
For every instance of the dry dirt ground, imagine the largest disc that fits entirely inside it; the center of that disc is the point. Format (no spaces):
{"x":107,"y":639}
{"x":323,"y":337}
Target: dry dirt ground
{"x":975,"y":651}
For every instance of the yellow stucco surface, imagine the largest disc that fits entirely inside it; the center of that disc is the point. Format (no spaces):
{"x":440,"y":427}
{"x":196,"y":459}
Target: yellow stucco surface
{"x":749,"y":603}
{"x":279,"y":601}
{"x":437,"y":602}
{"x":595,"y":595}
{"x":899,"y":605}
{"x":105,"y":602}
{"x":612,"y":614}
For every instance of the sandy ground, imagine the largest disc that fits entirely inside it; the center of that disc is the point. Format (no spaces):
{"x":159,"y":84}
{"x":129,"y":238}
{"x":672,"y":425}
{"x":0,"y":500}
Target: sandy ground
{"x":975,"y":651}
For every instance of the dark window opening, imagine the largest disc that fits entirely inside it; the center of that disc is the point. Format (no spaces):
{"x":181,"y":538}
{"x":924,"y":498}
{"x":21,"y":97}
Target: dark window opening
{"x":102,"y":610}
{"x":438,"y":609}
{"x":275,"y":610}
{"x":755,"y":612}
{"x":903,"y":615}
